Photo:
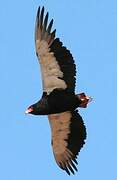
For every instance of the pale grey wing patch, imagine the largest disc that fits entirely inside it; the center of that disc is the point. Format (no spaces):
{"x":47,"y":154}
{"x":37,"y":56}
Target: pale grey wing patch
{"x":60,"y":127}
{"x":50,"y":69}
{"x":51,"y":73}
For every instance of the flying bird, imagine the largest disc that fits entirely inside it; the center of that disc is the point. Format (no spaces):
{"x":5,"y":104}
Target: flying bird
{"x":59,"y":101}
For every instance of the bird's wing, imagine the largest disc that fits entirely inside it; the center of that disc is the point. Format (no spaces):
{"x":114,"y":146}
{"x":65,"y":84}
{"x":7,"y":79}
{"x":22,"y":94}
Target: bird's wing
{"x":68,"y":137}
{"x":57,"y":64}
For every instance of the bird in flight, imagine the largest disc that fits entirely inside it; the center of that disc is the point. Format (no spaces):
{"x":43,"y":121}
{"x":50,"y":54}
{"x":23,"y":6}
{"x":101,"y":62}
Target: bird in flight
{"x":59,"y":101}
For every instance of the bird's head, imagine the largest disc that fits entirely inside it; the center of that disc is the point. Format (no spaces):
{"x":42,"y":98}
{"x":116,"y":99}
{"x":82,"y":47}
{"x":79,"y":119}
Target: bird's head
{"x":33,"y":109}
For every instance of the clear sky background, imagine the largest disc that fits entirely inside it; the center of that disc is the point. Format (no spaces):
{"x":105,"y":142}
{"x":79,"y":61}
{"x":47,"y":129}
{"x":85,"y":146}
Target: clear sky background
{"x":89,"y":30}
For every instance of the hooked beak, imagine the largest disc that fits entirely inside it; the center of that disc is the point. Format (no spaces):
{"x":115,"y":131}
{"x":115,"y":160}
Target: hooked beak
{"x":29,"y":110}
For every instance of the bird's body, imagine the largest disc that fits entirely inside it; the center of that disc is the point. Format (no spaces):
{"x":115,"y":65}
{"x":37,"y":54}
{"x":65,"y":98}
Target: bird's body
{"x":59,"y":100}
{"x":56,"y":102}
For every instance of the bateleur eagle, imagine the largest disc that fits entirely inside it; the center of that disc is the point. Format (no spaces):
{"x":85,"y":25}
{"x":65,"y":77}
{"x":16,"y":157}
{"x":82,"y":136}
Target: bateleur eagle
{"x":59,"y":100}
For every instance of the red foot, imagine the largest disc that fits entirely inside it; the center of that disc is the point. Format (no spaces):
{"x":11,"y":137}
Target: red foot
{"x":84,"y":100}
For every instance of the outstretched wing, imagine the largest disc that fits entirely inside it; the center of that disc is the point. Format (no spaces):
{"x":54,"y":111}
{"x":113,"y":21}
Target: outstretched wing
{"x":68,"y":137}
{"x":57,"y":64}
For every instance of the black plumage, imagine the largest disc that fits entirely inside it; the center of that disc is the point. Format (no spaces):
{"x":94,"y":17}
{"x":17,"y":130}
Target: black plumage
{"x":66,"y":63}
{"x":59,"y":100}
{"x":77,"y":129}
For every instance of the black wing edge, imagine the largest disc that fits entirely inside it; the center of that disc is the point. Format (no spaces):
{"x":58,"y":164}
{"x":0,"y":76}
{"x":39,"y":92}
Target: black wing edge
{"x":66,"y":63}
{"x":75,"y":141}
{"x":42,"y":28}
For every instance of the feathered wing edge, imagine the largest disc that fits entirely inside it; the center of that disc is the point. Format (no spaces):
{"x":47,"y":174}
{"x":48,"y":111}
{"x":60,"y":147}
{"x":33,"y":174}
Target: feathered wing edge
{"x":66,"y":63}
{"x":68,"y":137}
{"x":43,"y":29}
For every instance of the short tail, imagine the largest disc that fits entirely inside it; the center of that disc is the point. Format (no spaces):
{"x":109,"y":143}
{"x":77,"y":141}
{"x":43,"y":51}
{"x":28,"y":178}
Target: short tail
{"x":84,"y":100}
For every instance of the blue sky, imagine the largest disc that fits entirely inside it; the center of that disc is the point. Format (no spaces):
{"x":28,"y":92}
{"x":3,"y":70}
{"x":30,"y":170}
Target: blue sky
{"x":89,"y":30}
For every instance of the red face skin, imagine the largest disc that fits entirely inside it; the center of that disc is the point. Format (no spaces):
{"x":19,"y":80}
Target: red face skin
{"x":29,"y":110}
